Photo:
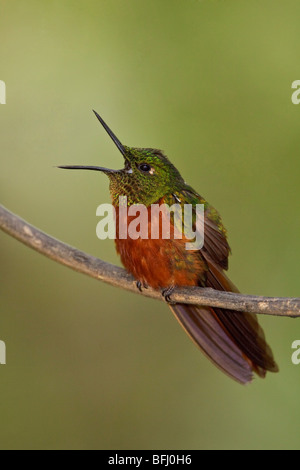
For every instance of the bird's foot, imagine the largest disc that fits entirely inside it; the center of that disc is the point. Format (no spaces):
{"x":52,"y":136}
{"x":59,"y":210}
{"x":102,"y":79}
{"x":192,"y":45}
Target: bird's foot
{"x":166,"y":293}
{"x":141,"y":285}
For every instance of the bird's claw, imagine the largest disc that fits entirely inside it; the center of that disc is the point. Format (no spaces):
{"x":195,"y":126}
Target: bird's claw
{"x":140,"y":285}
{"x":166,"y":293}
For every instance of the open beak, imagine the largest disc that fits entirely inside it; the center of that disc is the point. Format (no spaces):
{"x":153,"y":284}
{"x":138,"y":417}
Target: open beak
{"x":111,"y":134}
{"x":99,"y":168}
{"x":81,"y":167}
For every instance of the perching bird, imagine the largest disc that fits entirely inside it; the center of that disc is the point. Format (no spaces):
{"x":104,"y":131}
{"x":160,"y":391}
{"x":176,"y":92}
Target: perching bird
{"x":233,"y":341}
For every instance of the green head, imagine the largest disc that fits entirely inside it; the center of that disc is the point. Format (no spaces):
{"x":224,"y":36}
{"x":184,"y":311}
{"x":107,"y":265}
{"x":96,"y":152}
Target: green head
{"x":147,"y":176}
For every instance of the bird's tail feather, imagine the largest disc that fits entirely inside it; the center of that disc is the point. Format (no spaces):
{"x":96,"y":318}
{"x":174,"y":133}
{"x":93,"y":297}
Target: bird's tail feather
{"x":233,"y":341}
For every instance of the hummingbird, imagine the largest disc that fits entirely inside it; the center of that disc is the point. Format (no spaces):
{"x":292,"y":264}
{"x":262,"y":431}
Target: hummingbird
{"x":233,"y":341}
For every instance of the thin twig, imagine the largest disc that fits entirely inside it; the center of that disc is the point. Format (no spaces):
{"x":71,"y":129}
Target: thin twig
{"x":118,"y":277}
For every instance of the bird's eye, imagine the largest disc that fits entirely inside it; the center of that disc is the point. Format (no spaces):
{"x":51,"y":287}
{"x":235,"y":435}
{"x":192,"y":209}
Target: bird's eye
{"x":144,"y":167}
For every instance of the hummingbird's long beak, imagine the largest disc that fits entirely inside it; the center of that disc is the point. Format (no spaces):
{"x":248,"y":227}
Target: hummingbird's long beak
{"x":99,"y":168}
{"x":111,"y":134}
{"x":81,"y":167}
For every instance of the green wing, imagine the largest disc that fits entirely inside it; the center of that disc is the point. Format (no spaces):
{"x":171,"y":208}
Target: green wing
{"x":216,"y":249}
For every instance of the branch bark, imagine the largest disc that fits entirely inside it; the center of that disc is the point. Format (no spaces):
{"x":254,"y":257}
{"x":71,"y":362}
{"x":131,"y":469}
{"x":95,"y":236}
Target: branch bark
{"x":118,"y":277}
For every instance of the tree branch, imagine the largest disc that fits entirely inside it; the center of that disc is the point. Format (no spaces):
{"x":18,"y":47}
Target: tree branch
{"x":118,"y":277}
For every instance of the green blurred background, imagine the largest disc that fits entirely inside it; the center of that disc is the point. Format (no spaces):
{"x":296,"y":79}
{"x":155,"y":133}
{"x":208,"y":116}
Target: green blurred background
{"x":93,"y":367}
